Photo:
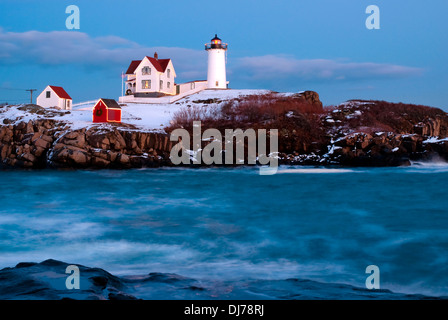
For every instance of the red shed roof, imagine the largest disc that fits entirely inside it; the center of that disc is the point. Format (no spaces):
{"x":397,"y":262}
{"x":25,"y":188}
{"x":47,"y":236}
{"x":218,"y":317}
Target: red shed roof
{"x":60,"y":92}
{"x":110,"y":103}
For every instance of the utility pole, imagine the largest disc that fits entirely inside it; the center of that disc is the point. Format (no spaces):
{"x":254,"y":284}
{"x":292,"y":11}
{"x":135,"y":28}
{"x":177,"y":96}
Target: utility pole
{"x":31,"y":91}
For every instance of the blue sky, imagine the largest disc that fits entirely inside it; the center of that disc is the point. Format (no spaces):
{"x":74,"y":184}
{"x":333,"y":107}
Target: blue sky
{"x":320,"y":45}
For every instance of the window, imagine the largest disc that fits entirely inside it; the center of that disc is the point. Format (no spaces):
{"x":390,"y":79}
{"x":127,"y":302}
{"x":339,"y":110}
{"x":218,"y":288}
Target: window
{"x":161,"y":84}
{"x":48,"y":94}
{"x":146,"y":84}
{"x":168,"y":85}
{"x":168,"y":73}
{"x":217,"y":83}
{"x":146,"y":70}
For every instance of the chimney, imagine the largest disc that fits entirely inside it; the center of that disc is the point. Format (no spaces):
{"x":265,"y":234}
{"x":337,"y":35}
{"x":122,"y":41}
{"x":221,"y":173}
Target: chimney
{"x":156,"y":56}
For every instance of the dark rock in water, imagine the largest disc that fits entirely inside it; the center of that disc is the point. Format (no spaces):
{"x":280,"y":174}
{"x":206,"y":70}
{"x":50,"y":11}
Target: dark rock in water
{"x":121,"y":296}
{"x":194,"y":288}
{"x":164,"y":277}
{"x":51,"y":263}
{"x":47,"y":281}
{"x":100,"y":281}
{"x":25,"y":264}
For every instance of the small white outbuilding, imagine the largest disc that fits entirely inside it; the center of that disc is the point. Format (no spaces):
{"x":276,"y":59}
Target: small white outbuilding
{"x":54,"y":97}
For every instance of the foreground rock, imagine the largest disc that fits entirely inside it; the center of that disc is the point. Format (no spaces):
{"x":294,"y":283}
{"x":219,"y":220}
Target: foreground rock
{"x":47,"y":281}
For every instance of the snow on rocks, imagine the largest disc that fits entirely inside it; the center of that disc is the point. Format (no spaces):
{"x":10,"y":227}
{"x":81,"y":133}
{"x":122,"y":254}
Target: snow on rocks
{"x":435,"y":140}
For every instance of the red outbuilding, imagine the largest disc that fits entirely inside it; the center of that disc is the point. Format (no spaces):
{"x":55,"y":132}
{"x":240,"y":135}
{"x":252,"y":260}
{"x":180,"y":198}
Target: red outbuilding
{"x":107,"y":110}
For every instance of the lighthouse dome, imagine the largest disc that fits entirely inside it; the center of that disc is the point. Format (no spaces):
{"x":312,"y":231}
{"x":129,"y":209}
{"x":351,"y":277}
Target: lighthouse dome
{"x":216,"y":38}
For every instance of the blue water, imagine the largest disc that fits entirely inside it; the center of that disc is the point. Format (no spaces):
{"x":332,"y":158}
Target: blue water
{"x":321,"y":224}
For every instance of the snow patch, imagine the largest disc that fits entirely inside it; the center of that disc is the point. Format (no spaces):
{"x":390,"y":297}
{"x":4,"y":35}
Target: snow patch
{"x":435,"y":140}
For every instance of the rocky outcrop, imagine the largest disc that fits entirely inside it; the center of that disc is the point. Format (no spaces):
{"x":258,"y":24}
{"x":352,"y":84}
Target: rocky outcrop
{"x":310,"y":97}
{"x":113,"y":148}
{"x":26,"y":144}
{"x":383,"y":149}
{"x":46,"y":143}
{"x":49,"y":143}
{"x":429,"y":127}
{"x":378,"y":150}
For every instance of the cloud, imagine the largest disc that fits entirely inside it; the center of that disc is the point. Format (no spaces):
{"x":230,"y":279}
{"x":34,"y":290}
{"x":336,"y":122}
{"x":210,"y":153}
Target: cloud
{"x":288,"y":67}
{"x":72,"y":47}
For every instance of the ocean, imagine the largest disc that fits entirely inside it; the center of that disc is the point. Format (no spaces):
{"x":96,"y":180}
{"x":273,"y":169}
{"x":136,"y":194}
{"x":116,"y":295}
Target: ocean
{"x":320,"y":224}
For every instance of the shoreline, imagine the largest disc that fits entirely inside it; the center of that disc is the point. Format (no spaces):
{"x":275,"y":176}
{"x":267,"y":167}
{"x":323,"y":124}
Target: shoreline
{"x":47,"y":144}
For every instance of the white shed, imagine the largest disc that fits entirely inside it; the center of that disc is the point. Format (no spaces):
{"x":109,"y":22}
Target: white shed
{"x":54,"y":97}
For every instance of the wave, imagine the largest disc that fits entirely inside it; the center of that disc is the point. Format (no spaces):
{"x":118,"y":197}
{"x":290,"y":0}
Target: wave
{"x":437,"y":166}
{"x":317,"y":170}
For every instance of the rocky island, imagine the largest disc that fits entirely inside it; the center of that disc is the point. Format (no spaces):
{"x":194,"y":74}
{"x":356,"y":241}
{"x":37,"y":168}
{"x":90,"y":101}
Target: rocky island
{"x":355,"y":133}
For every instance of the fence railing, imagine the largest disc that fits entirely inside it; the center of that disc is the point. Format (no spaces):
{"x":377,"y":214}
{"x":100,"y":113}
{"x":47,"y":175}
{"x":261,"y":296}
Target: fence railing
{"x":83,"y":103}
{"x":209,"y":46}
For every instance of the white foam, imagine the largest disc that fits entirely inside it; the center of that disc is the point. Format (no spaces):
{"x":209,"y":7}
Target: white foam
{"x":437,"y":166}
{"x":315,"y":170}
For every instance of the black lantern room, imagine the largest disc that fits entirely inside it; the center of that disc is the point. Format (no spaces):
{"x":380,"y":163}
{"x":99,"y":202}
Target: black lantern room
{"x":215,"y":43}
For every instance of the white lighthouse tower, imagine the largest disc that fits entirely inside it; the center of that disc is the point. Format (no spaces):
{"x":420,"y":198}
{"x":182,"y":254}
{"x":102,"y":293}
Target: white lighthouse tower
{"x":216,"y":74}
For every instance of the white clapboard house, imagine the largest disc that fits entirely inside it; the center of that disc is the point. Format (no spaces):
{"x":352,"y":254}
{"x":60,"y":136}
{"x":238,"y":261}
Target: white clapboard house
{"x":150,"y":77}
{"x":54,"y":97}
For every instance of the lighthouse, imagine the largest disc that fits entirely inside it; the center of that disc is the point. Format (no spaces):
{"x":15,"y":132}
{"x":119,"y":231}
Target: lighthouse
{"x":216,"y":74}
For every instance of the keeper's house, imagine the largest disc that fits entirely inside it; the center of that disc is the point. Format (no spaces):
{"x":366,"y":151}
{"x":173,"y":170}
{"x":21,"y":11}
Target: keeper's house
{"x":151,"y":77}
{"x":54,"y":97}
{"x":106,"y":110}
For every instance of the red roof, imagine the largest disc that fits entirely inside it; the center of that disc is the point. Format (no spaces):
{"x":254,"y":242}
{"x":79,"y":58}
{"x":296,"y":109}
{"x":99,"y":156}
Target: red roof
{"x":134,"y":64}
{"x":159,"y":64}
{"x":110,"y":103}
{"x":60,"y":92}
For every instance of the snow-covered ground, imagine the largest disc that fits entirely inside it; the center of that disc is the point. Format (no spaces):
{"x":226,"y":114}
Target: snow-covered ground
{"x":158,"y":116}
{"x":143,"y":116}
